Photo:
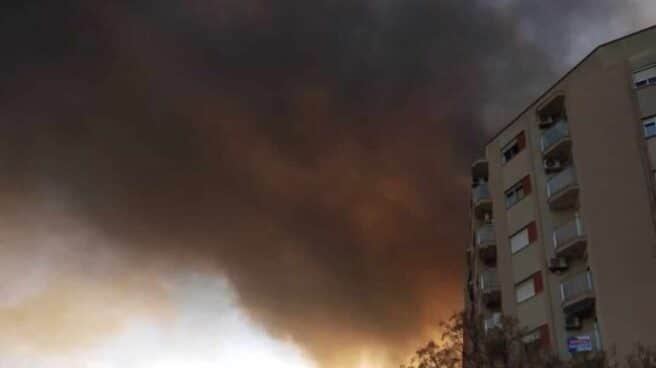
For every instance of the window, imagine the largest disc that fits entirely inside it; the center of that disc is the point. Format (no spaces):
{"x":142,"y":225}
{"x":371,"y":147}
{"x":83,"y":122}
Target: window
{"x":525,"y":290}
{"x":649,"y":127}
{"x":529,"y":288}
{"x":531,"y":337}
{"x":513,"y":148}
{"x":519,"y":241}
{"x":537,"y":338}
{"x":645,"y":77}
{"x":523,"y":238}
{"x":518,"y":191}
{"x":509,"y":151}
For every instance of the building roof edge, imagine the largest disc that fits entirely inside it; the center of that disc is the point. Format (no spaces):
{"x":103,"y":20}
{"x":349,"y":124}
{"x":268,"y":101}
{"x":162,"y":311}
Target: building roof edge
{"x":570,"y":71}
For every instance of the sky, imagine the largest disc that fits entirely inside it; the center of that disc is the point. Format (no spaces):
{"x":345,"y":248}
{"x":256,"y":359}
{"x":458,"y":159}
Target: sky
{"x":233,"y":183}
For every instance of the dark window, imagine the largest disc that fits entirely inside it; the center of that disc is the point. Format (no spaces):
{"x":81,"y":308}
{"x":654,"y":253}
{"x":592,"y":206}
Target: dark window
{"x":529,"y":288}
{"x":510,"y":152}
{"x":537,"y":339}
{"x":523,"y":238}
{"x":645,"y":77}
{"x":513,"y":148}
{"x":518,"y":191}
{"x":649,"y":127}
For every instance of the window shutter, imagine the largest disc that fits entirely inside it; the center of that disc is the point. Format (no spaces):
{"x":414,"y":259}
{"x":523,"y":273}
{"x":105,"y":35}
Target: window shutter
{"x":526,"y":185}
{"x":521,"y":141}
{"x":525,"y":290}
{"x":519,"y":241}
{"x":532,"y":232}
{"x":537,"y":282}
{"x":545,"y":338}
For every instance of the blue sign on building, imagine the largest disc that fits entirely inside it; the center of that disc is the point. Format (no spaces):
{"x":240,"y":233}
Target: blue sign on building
{"x":579,"y":344}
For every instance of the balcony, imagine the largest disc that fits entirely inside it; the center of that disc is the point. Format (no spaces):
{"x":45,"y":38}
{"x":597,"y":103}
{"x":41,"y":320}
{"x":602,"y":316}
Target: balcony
{"x":490,"y":288}
{"x":556,"y":142}
{"x":481,"y":200}
{"x":563,"y":189}
{"x":480,"y":169}
{"x":569,"y":239}
{"x":486,"y":243}
{"x":578,"y":295}
{"x":492,"y":322}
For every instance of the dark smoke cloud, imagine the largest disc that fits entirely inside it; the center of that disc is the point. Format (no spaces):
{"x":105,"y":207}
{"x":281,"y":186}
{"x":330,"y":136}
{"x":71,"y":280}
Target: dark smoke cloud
{"x":315,"y":151}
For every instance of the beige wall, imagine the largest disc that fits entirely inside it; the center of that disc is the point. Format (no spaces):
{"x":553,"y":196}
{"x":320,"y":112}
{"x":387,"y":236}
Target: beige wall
{"x":517,"y":267}
{"x":651,"y":151}
{"x":617,"y":205}
{"x":532,"y":313}
{"x":647,"y":101}
{"x":497,"y":188}
{"x":526,"y":262}
{"x":517,"y":168}
{"x":606,"y":129}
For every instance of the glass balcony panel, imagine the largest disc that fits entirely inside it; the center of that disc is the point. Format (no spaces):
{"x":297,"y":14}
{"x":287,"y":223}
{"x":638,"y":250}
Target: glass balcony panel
{"x":553,"y":135}
{"x":489,"y":280}
{"x":480,"y":192}
{"x":494,"y":321}
{"x":562,"y":180}
{"x":485,"y":235}
{"x":576,"y":286}
{"x":568,"y":232}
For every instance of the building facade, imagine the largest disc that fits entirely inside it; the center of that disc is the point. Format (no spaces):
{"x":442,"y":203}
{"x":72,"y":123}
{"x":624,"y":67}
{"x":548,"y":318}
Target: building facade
{"x":563,"y":208}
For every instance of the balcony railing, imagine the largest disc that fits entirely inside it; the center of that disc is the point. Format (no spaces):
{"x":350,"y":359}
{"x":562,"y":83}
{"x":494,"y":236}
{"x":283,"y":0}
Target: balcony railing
{"x":494,"y":321}
{"x":576,"y":286}
{"x":562,"y":180}
{"x":554,"y":134}
{"x":485,"y":235}
{"x":568,"y":232}
{"x":489,"y":280}
{"x":480,"y":192}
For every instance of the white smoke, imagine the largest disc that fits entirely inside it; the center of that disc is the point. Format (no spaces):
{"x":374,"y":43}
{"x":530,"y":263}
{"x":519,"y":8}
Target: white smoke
{"x":206,"y":329}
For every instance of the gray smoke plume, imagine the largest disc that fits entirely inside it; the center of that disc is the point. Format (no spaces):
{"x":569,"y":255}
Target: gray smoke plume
{"x":313,"y":152}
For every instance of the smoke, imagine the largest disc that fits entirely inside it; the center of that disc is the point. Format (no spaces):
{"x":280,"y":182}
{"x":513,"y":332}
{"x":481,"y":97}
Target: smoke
{"x":209,"y":331}
{"x":567,"y":31}
{"x":314,"y":154}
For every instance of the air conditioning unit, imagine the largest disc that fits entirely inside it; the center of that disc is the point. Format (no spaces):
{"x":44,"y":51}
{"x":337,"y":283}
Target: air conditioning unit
{"x":552,"y":166}
{"x":573,"y":323}
{"x":558,"y":264}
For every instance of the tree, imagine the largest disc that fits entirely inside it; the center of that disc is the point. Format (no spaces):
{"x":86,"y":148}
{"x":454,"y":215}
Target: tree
{"x":448,"y":352}
{"x":465,"y":343}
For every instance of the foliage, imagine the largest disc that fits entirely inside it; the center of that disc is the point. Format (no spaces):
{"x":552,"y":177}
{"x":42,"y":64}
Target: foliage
{"x":465,"y":344}
{"x":444,"y":354}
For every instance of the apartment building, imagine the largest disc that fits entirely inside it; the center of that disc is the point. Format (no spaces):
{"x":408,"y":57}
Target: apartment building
{"x":563,"y":208}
